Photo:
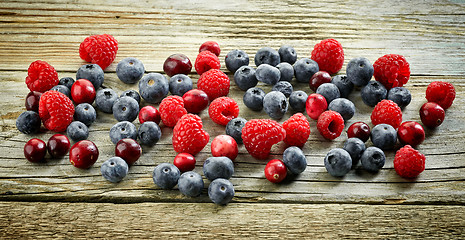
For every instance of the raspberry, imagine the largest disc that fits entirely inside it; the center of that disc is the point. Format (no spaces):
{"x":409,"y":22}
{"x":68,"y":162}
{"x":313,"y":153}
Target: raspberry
{"x":205,"y":61}
{"x":171,"y":110}
{"x":408,"y":162}
{"x":99,"y":49}
{"x":329,"y":55}
{"x":56,"y":111}
{"x":189,"y":136}
{"x":222,"y":110}
{"x":392,"y":70}
{"x":330,"y":124}
{"x":442,"y":93}
{"x":297,"y":130}
{"x":41,"y":76}
{"x":387,"y":112}
{"x":259,"y":135}
{"x":214,"y":83}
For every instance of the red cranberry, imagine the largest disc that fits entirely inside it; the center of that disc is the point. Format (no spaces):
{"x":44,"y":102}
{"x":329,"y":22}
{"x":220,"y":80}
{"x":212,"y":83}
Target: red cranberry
{"x":58,"y":145}
{"x":359,"y":130}
{"x":275,"y":171}
{"x":211,"y":46}
{"x":319,"y":78}
{"x":224,"y":146}
{"x":315,"y":105}
{"x":128,"y":149}
{"x":149,"y":113}
{"x":83,"y":154}
{"x":32,"y":101}
{"x":35,"y":150}
{"x":195,"y":100}
{"x":431,"y":114}
{"x":177,"y":64}
{"x":411,"y":133}
{"x":83,"y":91}
{"x":184,"y":162}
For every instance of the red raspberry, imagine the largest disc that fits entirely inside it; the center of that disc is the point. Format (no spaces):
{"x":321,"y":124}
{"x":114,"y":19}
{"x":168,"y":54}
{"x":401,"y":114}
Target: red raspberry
{"x":392,"y":70}
{"x":387,"y":112}
{"x":259,"y":135}
{"x":41,"y":76}
{"x":205,"y":61}
{"x":211,"y":46}
{"x":99,"y":49}
{"x":189,"y":136}
{"x":330,"y":124}
{"x":329,"y":55}
{"x":56,"y":111}
{"x":214,"y":83}
{"x":222,"y":110}
{"x":297,"y":130}
{"x":171,"y":110}
{"x":442,"y":93}
{"x":408,"y":162}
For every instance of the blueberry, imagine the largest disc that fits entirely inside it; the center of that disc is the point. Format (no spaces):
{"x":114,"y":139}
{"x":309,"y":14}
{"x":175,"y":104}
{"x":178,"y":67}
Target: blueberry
{"x":236,"y":59}
{"x":284,"y":87}
{"x":297,"y":100}
{"x":287,"y":54}
{"x":149,"y":133}
{"x":383,"y":136}
{"x":344,"y":107}
{"x":373,"y":159}
{"x":373,"y":93}
{"x":400,"y":95}
{"x":329,"y":91}
{"x":253,"y":98}
{"x":85,"y":113}
{"x":166,"y":175}
{"x":190,"y":184}
{"x":355,"y":147}
{"x":180,"y":84}
{"x":275,"y":104}
{"x":130,"y":70}
{"x":359,"y":71}
{"x":122,"y":130}
{"x":234,"y":128}
{"x":131,"y":93}
{"x":267,"y":74}
{"x":125,"y":109}
{"x":221,"y":191}
{"x":77,"y":131}
{"x":343,"y":84}
{"x":67,"y":81}
{"x":105,"y":99}
{"x":28,"y":122}
{"x":267,"y":55}
{"x":63,"y":89}
{"x":218,"y":167}
{"x":153,"y":87}
{"x":295,"y":160}
{"x":304,"y":69}
{"x":286,"y":70}
{"x":91,"y":72}
{"x":245,"y":78}
{"x":114,"y":169}
{"x":338,"y":162}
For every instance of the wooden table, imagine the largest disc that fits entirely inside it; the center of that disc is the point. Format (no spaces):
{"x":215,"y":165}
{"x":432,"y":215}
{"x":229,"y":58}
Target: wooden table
{"x":57,"y":200}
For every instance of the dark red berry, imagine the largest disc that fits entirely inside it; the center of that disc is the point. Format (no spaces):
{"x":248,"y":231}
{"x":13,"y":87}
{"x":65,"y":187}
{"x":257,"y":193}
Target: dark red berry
{"x":177,"y":64}
{"x":184,"y":162}
{"x":431,"y":114}
{"x":149,"y":113}
{"x":211,"y":46}
{"x":83,"y":154}
{"x":35,"y":150}
{"x":411,"y":133}
{"x":359,"y":130}
{"x":32,"y":101}
{"x":128,"y":149}
{"x":275,"y":171}
{"x":316,"y":104}
{"x":83,"y":91}
{"x":58,"y":145}
{"x":224,"y":146}
{"x":195,"y":100}
{"x":319,"y":78}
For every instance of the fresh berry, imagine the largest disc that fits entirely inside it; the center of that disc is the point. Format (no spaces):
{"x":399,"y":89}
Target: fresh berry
{"x":234,"y":128}
{"x":83,"y":91}
{"x":28,"y":122}
{"x":85,"y":113}
{"x":211,"y":46}
{"x":253,"y":98}
{"x":105,"y":99}
{"x":180,"y":84}
{"x":286,"y":70}
{"x":343,"y":84}
{"x":329,"y":91}
{"x":58,"y":145}
{"x":442,"y":93}
{"x":214,"y":83}
{"x":297,"y":130}
{"x":153,"y":87}
{"x":267,"y":55}
{"x":149,"y":113}
{"x":344,"y":107}
{"x":91,"y":72}
{"x":166,"y":175}
{"x":114,"y":169}
{"x":373,"y":159}
{"x":122,"y":130}
{"x":355,"y":147}
{"x":432,"y":114}
{"x":392,"y":70}
{"x":287,"y":54}
{"x":171,"y":110}
{"x":222,"y":110}
{"x":275,"y":171}
{"x":83,"y":154}
{"x":189,"y":136}
{"x":190,"y":184}
{"x":373,"y":93}
{"x":295,"y":160}
{"x":330,"y":124}
{"x":319,"y":78}
{"x":35,"y":150}
{"x":32,"y":101}
{"x":130,"y":70}
{"x":359,"y":130}
{"x":125,"y":109}
{"x":41,"y":76}
{"x":387,"y":112}
{"x":66,"y":81}
{"x":184,"y":162}
{"x":245,"y":78}
{"x":275,"y":104}
{"x":63,"y":89}
{"x":259,"y":135}
{"x":338,"y":162}
{"x":129,"y":150}
{"x":359,"y":71}
{"x":177,"y":64}
{"x":77,"y":131}
{"x":56,"y":111}
{"x":329,"y":55}
{"x":267,"y":74}
{"x":315,"y":105}
{"x":297,"y":100}
{"x":131,"y":93}
{"x":221,"y":191}
{"x":99,"y":49}
{"x":218,"y":167}
{"x":149,"y":133}
{"x":411,"y":133}
{"x":384,"y":136}
{"x":195,"y":101}
{"x":400,"y":95}
{"x":284,"y":87}
{"x":224,"y":146}
{"x":408,"y":162}
{"x":205,"y":61}
{"x":236,"y":59}
{"x":304,"y":69}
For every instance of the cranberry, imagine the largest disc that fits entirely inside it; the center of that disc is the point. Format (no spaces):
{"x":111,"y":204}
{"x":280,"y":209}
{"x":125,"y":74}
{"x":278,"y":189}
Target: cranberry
{"x":128,"y":149}
{"x":319,"y":78}
{"x":411,"y":133}
{"x":83,"y":91}
{"x":149,"y":113}
{"x":275,"y":171}
{"x":359,"y":130}
{"x":224,"y":146}
{"x":431,"y":114}
{"x":195,"y":100}
{"x":35,"y":150}
{"x":83,"y":154}
{"x":32,"y":101}
{"x":211,"y":46}
{"x":58,"y":145}
{"x":315,"y":105}
{"x":177,"y":64}
{"x":184,"y":162}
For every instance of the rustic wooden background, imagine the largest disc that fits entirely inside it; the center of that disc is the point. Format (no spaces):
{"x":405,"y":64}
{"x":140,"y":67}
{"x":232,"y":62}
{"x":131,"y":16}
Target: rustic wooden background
{"x":57,"y":200}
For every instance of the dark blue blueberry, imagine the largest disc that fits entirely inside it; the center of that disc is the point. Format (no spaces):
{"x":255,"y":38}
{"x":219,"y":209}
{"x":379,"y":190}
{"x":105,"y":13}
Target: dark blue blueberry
{"x":343,"y":84}
{"x":91,"y":72}
{"x":234,"y":128}
{"x":105,"y":99}
{"x":253,"y":98}
{"x":287,"y":71}
{"x":338,"y":162}
{"x":77,"y":131}
{"x":329,"y":91}
{"x":287,"y":54}
{"x":236,"y":59}
{"x":355,"y":147}
{"x":131,"y":93}
{"x":190,"y":184}
{"x":114,"y":169}
{"x":166,"y":175}
{"x":221,"y":191}
{"x":359,"y":71}
{"x":267,"y":74}
{"x":125,"y":109}
{"x":67,"y":81}
{"x":28,"y":122}
{"x":149,"y":133}
{"x":295,"y":160}
{"x":153,"y":87}
{"x":275,"y":104}
{"x":245,"y":78}
{"x":344,"y":107}
{"x":373,"y":93}
{"x":383,"y":136}
{"x":267,"y":55}
{"x":297,"y":100}
{"x":130,"y":70}
{"x":122,"y":130}
{"x":85,"y":113}
{"x":284,"y":87}
{"x":218,"y":167}
{"x":400,"y":95}
{"x":304,"y":69}
{"x":63,"y":89}
{"x":373,"y":159}
{"x":180,"y":84}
